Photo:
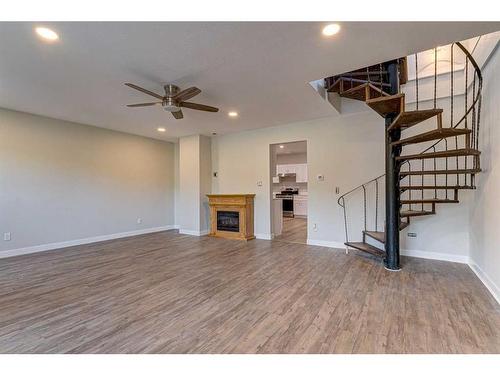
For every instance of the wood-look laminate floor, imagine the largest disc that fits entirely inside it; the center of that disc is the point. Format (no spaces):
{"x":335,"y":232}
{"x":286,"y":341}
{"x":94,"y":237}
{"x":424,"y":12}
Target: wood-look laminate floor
{"x":294,"y":230}
{"x":171,"y":293}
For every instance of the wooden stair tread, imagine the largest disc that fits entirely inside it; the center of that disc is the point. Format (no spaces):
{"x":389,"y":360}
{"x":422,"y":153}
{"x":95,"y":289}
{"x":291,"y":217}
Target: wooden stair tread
{"x":432,"y":136}
{"x":359,"y":92}
{"x":366,"y":248}
{"x":440,"y":154}
{"x":403,"y":225}
{"x":437,"y":187}
{"x":410,"y":118}
{"x":430,"y":200}
{"x":410,"y":213}
{"x":379,"y":236}
{"x":385,"y":105}
{"x":440,"y":171}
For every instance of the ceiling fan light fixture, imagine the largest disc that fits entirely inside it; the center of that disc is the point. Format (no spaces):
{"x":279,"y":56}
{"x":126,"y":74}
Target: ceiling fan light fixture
{"x":171,"y":108}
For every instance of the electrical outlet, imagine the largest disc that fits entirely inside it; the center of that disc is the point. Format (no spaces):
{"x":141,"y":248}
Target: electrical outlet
{"x":412,"y":234}
{"x":259,"y":183}
{"x":315,"y":227}
{"x":139,"y":220}
{"x":6,"y":236}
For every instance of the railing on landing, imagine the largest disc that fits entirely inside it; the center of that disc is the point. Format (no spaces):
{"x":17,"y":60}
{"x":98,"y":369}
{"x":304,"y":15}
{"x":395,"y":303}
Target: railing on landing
{"x":438,"y":177}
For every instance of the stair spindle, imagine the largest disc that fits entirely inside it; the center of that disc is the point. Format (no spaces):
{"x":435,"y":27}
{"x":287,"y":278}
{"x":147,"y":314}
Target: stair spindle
{"x":451,"y":93}
{"x":416,"y":79}
{"x":435,"y":76}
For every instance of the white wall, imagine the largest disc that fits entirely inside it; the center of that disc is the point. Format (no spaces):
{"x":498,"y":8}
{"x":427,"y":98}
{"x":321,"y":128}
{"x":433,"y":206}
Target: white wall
{"x":299,"y":158}
{"x":61,"y":181}
{"x":348,"y":150}
{"x":189,"y":184}
{"x":485,"y":207}
{"x":195,"y":180}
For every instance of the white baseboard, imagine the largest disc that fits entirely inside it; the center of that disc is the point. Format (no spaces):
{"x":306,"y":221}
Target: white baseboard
{"x":332,"y":244}
{"x":81,"y":241}
{"x":485,"y":279}
{"x":198,"y":233}
{"x":264,"y":236}
{"x":436,"y":256}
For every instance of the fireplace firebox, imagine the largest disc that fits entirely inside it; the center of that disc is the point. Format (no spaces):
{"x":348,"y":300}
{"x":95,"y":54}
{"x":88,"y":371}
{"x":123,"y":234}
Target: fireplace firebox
{"x":228,"y":221}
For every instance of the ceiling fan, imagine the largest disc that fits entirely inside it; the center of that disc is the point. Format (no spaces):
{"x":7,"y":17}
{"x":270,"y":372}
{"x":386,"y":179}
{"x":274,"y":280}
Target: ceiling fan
{"x":173,"y":100}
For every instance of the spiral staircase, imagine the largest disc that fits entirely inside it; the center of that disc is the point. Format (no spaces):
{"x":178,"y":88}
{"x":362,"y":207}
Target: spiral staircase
{"x":415,"y":182}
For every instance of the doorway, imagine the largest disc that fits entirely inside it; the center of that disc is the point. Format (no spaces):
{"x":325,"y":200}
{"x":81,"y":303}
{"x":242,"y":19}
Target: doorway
{"x":289,"y":194}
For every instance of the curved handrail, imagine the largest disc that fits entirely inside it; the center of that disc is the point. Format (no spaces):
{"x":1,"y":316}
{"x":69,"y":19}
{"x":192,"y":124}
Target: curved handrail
{"x":472,"y":106}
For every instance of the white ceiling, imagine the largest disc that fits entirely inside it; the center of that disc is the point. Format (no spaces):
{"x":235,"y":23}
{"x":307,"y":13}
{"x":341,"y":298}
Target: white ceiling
{"x":261,"y":70}
{"x":299,"y":147}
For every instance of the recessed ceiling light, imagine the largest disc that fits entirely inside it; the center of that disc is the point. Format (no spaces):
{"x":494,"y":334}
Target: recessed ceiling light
{"x":331,"y":29}
{"x":282,"y":146}
{"x":232,"y":114}
{"x":161,"y":129}
{"x":47,"y":34}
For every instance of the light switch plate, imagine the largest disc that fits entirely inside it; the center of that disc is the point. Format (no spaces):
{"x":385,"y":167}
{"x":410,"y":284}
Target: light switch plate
{"x":6,"y":236}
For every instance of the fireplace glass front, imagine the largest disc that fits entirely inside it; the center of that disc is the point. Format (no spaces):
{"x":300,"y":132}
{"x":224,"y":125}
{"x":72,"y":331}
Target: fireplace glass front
{"x":228,"y":221}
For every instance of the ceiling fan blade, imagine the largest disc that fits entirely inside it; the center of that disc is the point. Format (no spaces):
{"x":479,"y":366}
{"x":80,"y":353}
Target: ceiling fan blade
{"x":199,"y":107}
{"x":144,"y":90}
{"x":177,"y":114}
{"x":187,"y":94}
{"x":142,"y":104}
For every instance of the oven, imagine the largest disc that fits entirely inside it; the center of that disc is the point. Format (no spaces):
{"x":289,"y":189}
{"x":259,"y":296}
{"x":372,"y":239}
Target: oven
{"x":286,"y":197}
{"x":287,"y":206}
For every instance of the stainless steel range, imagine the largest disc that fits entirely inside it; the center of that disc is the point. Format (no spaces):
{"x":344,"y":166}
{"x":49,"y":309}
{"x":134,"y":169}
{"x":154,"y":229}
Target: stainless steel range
{"x":286,"y":196}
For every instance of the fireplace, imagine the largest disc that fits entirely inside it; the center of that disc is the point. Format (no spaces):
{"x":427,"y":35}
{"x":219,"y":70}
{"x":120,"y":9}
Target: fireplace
{"x":231,"y":216}
{"x":228,"y":221}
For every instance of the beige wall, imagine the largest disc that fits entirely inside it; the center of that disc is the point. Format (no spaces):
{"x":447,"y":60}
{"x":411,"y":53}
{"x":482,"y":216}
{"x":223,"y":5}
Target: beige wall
{"x":61,"y":181}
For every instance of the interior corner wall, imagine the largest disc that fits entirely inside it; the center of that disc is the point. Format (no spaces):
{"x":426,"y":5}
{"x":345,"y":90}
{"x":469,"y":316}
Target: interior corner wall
{"x":189,"y":184}
{"x":205,"y":181}
{"x":195,"y":169}
{"x":62,"y":182}
{"x":485,"y":207}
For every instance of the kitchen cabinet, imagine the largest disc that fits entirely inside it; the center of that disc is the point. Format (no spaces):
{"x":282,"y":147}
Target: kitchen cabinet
{"x":300,"y":206}
{"x":300,"y":171}
{"x":286,"y":168}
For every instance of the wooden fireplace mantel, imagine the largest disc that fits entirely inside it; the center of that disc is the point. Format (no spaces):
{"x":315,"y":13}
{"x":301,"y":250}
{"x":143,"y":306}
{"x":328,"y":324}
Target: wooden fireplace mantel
{"x":240,"y":203}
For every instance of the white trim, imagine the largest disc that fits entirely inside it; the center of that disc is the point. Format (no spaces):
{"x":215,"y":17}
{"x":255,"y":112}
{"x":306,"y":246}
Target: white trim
{"x":485,"y":279}
{"x":264,"y":236}
{"x":436,"y":256}
{"x":81,"y":241}
{"x":332,"y":244}
{"x":198,"y":233}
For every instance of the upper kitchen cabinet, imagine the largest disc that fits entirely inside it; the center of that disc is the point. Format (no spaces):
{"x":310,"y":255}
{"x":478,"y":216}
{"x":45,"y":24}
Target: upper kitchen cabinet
{"x":301,"y":173}
{"x":286,"y":169}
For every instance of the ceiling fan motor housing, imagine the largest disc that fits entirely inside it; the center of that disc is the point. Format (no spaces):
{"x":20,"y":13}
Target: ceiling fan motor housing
{"x":169,"y":104}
